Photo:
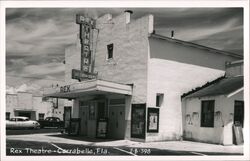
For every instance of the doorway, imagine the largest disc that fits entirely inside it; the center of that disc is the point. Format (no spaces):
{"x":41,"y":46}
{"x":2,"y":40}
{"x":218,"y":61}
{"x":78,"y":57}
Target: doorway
{"x":67,"y":117}
{"x":117,"y":122}
{"x":239,"y":113}
{"x":90,"y":112}
{"x":83,"y":112}
{"x":25,"y":114}
{"x":100,"y":109}
{"x":30,"y":114}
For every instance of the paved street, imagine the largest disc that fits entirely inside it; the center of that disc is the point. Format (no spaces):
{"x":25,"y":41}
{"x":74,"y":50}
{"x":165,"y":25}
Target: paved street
{"x":52,"y":142}
{"x":31,"y":131}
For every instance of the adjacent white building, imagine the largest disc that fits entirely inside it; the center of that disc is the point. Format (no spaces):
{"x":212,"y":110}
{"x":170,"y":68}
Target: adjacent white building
{"x":211,"y":111}
{"x":29,"y":105}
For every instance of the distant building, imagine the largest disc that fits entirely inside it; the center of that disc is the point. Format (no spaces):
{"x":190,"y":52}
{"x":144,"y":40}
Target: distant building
{"x":122,"y":73}
{"x":34,"y":107}
{"x":210,"y":112}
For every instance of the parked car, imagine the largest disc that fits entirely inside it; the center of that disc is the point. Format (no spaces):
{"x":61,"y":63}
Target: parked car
{"x":51,"y":122}
{"x":21,"y":123}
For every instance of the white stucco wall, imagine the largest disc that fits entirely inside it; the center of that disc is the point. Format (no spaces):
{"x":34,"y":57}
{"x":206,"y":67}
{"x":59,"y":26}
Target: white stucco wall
{"x":129,"y":64}
{"x":11,"y":104}
{"x":24,"y":101}
{"x":41,"y":107}
{"x":218,"y":134}
{"x":173,"y":79}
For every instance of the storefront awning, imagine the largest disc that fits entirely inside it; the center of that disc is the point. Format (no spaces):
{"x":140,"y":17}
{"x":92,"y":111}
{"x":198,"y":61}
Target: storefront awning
{"x":90,"y":87}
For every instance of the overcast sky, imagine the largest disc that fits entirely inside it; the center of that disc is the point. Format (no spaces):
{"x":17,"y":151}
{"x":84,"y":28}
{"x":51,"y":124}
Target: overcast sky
{"x":36,"y":38}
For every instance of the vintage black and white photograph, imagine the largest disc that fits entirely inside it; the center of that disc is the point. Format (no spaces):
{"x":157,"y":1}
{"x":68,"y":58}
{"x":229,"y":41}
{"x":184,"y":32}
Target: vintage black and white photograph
{"x":125,"y":81}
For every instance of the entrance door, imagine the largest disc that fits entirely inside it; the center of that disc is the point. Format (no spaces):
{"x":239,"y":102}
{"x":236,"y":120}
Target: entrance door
{"x":91,"y":125}
{"x":67,"y":117}
{"x":84,"y":119}
{"x":116,"y":122}
{"x":100,"y":110}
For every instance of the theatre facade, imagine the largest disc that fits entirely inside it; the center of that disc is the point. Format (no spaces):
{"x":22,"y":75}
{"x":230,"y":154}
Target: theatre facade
{"x":126,"y":81}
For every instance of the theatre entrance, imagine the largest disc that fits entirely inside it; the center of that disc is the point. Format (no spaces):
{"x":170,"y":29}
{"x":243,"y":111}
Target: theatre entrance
{"x":104,"y":114}
{"x":89,"y":113}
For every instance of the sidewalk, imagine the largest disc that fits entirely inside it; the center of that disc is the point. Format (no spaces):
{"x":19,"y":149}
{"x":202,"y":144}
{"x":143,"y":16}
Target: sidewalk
{"x":192,"y":146}
{"x":166,"y":145}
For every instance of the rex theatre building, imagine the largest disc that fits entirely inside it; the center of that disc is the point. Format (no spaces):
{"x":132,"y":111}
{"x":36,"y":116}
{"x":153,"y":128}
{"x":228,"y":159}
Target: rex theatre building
{"x":126,"y":82}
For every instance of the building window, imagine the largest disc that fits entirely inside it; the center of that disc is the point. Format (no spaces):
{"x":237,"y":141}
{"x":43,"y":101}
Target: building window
{"x":110,"y":51}
{"x":41,"y":116}
{"x":159,"y":99}
{"x":239,"y":113}
{"x":207,"y":113}
{"x":7,"y":115}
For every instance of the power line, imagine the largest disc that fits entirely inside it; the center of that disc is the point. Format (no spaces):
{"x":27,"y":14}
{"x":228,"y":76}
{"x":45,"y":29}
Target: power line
{"x":33,"y":77}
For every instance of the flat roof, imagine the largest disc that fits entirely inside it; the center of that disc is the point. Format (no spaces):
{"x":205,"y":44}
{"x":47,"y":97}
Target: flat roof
{"x":88,"y":87}
{"x":220,"y":86}
{"x":186,"y":43}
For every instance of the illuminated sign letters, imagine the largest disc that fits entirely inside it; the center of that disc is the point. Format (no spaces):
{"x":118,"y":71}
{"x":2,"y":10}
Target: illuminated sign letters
{"x":86,"y":26}
{"x":86,"y":38}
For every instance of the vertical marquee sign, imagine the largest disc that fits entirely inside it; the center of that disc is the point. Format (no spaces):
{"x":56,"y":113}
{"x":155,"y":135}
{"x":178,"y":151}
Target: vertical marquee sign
{"x":86,"y":39}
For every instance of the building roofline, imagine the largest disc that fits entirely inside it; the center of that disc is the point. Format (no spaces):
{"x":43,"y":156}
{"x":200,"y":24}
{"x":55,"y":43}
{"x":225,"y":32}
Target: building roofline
{"x":24,"y":92}
{"x":33,"y":95}
{"x":201,"y":87}
{"x":37,"y":96}
{"x":186,"y":43}
{"x":237,"y":61}
{"x":11,"y":94}
{"x":235,"y":92}
{"x":234,"y":63}
{"x":187,"y":94}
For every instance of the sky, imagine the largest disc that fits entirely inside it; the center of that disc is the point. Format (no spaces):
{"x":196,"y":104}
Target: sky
{"x":36,"y":38}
